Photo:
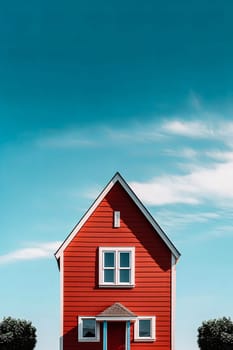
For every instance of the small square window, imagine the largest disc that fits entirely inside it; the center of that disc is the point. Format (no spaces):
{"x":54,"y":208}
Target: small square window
{"x":88,"y":329}
{"x":144,"y":329}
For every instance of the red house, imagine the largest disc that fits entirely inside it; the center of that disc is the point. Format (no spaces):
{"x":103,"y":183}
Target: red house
{"x":117,"y":273}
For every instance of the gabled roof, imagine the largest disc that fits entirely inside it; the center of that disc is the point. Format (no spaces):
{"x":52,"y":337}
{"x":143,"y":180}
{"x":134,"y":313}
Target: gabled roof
{"x":116,"y":311}
{"x":118,"y":178}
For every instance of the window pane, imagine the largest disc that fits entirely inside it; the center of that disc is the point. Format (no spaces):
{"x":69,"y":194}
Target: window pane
{"x":144,"y":328}
{"x":124,"y":259}
{"x":109,"y":275}
{"x":89,"y":328}
{"x":124,"y":276}
{"x":109,"y":259}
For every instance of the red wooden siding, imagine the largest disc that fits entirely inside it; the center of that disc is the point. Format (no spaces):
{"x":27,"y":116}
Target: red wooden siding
{"x":152,"y":292}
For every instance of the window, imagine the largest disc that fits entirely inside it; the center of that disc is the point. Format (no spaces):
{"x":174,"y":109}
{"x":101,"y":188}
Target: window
{"x":116,"y":220}
{"x":88,"y":329}
{"x":116,"y":267}
{"x":144,"y":329}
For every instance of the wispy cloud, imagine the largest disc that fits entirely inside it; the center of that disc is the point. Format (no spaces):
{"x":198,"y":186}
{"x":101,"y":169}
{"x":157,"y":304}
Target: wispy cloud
{"x":218,"y":232}
{"x":223,"y":231}
{"x":201,"y":125}
{"x":206,"y":173}
{"x":37,"y":251}
{"x":179,"y":219}
{"x":212,"y":183}
{"x":182,"y":153}
{"x":215,"y":128}
{"x":136,"y":133}
{"x":178,"y":223}
{"x":65,"y":139}
{"x":220,"y":155}
{"x":99,"y":136}
{"x":195,"y":101}
{"x":196,"y":129}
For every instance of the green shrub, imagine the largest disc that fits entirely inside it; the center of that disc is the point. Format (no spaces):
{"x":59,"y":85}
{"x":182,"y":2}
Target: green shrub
{"x":16,"y":334}
{"x":216,"y":334}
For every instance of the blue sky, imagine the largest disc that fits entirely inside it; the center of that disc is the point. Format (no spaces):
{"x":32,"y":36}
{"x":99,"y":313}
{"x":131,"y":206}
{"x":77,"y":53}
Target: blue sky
{"x":90,"y":88}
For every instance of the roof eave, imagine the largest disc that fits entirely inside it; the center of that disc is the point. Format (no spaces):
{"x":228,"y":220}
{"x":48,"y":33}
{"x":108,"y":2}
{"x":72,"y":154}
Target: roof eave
{"x":115,"y":318}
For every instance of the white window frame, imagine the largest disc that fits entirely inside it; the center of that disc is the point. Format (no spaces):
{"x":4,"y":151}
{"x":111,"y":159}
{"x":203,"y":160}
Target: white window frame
{"x":81,"y":338}
{"x":137,"y":338}
{"x":117,"y":251}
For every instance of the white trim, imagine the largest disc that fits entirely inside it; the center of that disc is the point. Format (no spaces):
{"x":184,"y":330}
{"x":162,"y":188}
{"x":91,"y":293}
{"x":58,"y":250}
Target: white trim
{"x":80,"y":330}
{"x":137,"y":338}
{"x":118,"y":178}
{"x":61,"y":299}
{"x":173,"y":300}
{"x":115,"y":318}
{"x":117,"y":251}
{"x":117,"y":286}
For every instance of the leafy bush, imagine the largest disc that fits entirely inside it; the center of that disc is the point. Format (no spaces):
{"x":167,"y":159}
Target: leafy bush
{"x":17,"y":334}
{"x":216,"y":334}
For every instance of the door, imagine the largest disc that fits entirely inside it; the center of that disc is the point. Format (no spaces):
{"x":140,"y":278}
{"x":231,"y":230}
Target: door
{"x":116,"y":335}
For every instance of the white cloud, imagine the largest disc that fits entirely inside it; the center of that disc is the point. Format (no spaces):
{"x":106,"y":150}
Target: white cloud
{"x":195,"y":129}
{"x":214,"y":128}
{"x":165,"y":190}
{"x":220,"y":155}
{"x":202,"y":125}
{"x":202,"y":184}
{"x":183,"y":153}
{"x":66,"y":139}
{"x":38,"y":251}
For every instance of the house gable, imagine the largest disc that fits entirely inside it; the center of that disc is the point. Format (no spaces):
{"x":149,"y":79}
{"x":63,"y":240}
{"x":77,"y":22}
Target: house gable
{"x":118,"y":179}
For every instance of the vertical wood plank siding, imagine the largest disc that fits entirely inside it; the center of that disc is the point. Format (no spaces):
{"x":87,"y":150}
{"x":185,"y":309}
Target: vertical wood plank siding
{"x":152,"y":292}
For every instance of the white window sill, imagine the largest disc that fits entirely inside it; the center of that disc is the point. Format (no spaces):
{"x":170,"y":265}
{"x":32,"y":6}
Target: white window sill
{"x":88,"y":340}
{"x":116,"y":285}
{"x":144,"y":340}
